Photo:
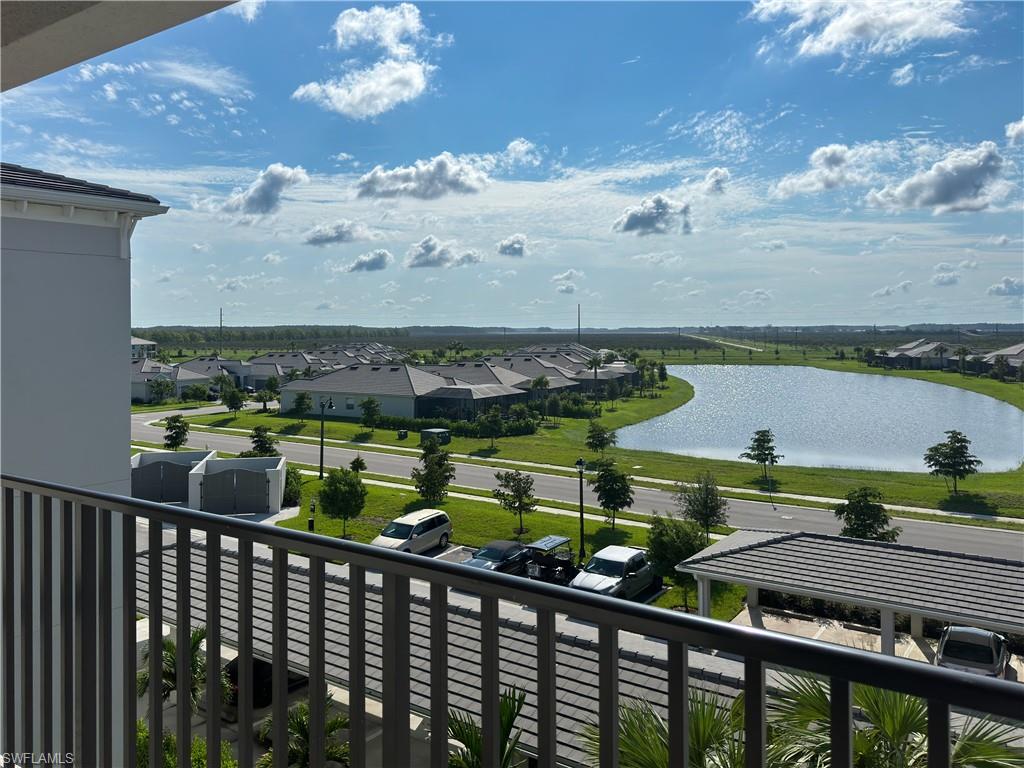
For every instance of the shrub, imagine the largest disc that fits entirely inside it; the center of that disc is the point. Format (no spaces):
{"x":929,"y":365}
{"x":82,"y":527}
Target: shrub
{"x":197,"y":752}
{"x":292,"y":487}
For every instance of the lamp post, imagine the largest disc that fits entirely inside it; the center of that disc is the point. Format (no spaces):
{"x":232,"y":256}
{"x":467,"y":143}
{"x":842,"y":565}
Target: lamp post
{"x":312,"y":514}
{"x":329,"y":405}
{"x":581,"y":464}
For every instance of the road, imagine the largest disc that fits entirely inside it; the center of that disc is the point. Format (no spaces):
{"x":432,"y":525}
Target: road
{"x":742,"y":514}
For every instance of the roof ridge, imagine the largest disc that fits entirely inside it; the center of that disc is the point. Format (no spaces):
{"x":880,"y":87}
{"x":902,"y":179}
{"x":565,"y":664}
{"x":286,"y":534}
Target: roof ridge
{"x":916,"y":548}
{"x":783,"y":535}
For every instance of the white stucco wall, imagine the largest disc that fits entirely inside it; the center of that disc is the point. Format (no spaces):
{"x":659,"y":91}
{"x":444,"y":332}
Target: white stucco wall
{"x":390,"y":405}
{"x":65,"y":297}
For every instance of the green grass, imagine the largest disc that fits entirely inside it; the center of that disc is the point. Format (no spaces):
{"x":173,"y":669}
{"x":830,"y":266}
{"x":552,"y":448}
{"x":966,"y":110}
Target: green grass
{"x":726,"y":599}
{"x":171,"y":405}
{"x":474,"y":523}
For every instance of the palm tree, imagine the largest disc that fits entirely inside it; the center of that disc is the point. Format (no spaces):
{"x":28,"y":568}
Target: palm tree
{"x":594,"y":364}
{"x":541,"y":384}
{"x":299,"y":737}
{"x":169,"y":671}
{"x":962,"y":352}
{"x":465,"y":730}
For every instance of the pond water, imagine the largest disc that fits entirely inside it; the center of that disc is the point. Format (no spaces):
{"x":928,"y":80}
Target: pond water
{"x":829,"y":419}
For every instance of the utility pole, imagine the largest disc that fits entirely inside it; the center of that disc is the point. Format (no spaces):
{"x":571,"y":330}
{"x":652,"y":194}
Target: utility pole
{"x":579,"y":327}
{"x":220,"y":338}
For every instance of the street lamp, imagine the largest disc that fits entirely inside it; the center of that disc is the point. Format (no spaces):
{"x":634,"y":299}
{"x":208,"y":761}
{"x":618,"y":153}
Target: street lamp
{"x":312,"y":513}
{"x":581,"y":464}
{"x":329,"y":405}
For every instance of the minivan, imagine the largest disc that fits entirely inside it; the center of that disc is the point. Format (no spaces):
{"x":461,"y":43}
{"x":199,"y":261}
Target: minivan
{"x":416,"y":532}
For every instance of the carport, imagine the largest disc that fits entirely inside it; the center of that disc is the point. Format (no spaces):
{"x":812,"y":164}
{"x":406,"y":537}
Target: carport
{"x":954,"y":587}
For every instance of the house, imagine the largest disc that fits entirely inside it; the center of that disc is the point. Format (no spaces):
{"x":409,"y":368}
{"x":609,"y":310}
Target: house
{"x":243,"y":373}
{"x":1013,"y":354}
{"x":559,"y":378}
{"x":918,"y":355}
{"x":144,"y":371}
{"x":142,"y":348}
{"x":480,"y":372}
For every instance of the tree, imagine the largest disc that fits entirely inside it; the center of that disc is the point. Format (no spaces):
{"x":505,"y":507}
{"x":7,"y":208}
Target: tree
{"x":465,"y":730}
{"x":264,"y":396}
{"x":358,"y":464}
{"x":292,"y":487}
{"x":293,"y":374}
{"x":612,"y":390}
{"x":169,"y":671}
{"x":952,"y":459}
{"x":554,"y":408}
{"x":961,"y":355}
{"x":762,"y":451}
{"x":520,"y":412}
{"x":299,"y":727}
{"x":234,"y":400}
{"x":195,"y":392}
{"x":515,"y":493}
{"x":1000,"y":368}
{"x":342,"y":496}
{"x":175,"y":432}
{"x":651,"y":378}
{"x":614,"y":493}
{"x":263,"y":442}
{"x":223,"y":382}
{"x":371,"y":412}
{"x":600,"y":438}
{"x":273,"y":386}
{"x":594,"y":364}
{"x":161,"y":390}
{"x":864,"y":517}
{"x":491,"y":424}
{"x":702,"y":503}
{"x":670,"y":541}
{"x":434,"y":474}
{"x":662,"y":373}
{"x":538,"y":387}
{"x":302,"y":404}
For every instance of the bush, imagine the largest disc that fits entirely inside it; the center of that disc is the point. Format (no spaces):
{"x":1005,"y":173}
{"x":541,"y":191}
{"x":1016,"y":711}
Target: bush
{"x":457,"y":428}
{"x":197,"y":752}
{"x":292,"y":487}
{"x":670,"y":541}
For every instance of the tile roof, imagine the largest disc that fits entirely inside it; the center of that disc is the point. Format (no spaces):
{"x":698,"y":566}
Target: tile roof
{"x":480,"y":372}
{"x":20,"y":176}
{"x":373,"y":379}
{"x":969,"y":589}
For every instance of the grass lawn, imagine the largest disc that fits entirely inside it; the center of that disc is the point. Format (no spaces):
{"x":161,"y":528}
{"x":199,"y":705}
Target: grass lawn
{"x":172,"y":405}
{"x":560,"y":444}
{"x":726,"y":599}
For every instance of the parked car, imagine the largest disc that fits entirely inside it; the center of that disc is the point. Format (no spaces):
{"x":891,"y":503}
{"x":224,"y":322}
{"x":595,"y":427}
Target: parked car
{"x":416,"y":532}
{"x":616,"y":571}
{"x":503,"y":556}
{"x":552,"y":560}
{"x":973,"y":650}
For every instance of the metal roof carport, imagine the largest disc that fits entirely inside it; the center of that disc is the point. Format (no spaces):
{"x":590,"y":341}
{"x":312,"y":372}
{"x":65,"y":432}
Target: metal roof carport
{"x":972,"y":590}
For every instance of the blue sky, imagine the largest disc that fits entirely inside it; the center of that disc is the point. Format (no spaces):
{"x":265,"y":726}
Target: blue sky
{"x":784,"y":162}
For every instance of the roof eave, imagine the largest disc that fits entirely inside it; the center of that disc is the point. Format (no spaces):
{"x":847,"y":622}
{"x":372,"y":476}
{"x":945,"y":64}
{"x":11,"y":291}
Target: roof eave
{"x":138,"y":208}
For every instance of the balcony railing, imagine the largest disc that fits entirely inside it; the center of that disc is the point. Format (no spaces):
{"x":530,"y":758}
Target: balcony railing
{"x":360,"y":625}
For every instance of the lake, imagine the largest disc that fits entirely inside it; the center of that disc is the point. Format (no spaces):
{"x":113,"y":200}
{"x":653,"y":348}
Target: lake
{"x":829,"y":419}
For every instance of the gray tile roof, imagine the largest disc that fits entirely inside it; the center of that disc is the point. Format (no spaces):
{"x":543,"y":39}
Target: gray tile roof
{"x":373,"y":379}
{"x":462,"y":390}
{"x":531,"y":366}
{"x":969,"y":589}
{"x":479,"y":372}
{"x":20,"y":176}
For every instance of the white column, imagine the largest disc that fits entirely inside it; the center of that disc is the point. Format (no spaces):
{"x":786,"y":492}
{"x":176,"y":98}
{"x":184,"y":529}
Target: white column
{"x":703,"y":595}
{"x":916,"y":625}
{"x":888,"y":632}
{"x":753,"y":597}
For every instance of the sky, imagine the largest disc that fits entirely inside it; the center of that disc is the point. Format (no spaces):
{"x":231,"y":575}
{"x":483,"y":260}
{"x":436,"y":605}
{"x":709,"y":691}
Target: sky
{"x":784,"y":161}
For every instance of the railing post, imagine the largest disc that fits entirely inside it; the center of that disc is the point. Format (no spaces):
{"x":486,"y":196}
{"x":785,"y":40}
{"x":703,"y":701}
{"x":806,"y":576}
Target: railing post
{"x":46,"y":602}
{"x":105,"y":657}
{"x":438,"y":676}
{"x":608,"y":695}
{"x":841,"y":722}
{"x":754,"y":724}
{"x":28,"y":641}
{"x":279,"y":619}
{"x":395,"y":674}
{"x":156,"y":641}
{"x":490,"y":688}
{"x":129,"y":659}
{"x":317,"y":682}
{"x":7,"y":617}
{"x":678,"y":704}
{"x":183,"y":633}
{"x":547,"y":741}
{"x":67,"y":627}
{"x":939,"y":752}
{"x":245,"y":683}
{"x":213,"y":641}
{"x":356,"y":665}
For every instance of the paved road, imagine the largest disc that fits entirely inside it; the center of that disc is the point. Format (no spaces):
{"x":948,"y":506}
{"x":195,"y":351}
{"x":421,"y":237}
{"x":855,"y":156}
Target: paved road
{"x":742,"y":514}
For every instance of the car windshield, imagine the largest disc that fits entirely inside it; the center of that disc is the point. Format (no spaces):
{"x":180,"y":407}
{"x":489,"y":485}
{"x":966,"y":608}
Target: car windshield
{"x":397,"y":531}
{"x":957,"y":650}
{"x":603,"y":567}
{"x":493,"y":554}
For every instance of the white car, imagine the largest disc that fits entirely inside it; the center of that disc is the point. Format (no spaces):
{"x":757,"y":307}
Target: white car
{"x":416,"y":532}
{"x":616,"y":571}
{"x":973,"y":650}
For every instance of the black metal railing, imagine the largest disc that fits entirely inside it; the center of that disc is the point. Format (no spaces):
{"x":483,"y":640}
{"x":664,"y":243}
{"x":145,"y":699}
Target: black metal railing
{"x":59,"y":568}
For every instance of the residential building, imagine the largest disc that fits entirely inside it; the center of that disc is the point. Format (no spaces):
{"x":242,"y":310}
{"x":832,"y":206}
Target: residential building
{"x":144,"y":371}
{"x":142,"y":348}
{"x":921,"y":354}
{"x":244,"y":374}
{"x":1013,"y":354}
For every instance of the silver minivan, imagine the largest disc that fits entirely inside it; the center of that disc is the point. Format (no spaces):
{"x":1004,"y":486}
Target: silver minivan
{"x":973,"y":650}
{"x":416,"y":532}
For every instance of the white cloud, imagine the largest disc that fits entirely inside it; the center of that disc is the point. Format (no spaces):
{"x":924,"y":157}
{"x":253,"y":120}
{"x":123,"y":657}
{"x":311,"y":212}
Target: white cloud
{"x":725,"y":134}
{"x":513,"y":245}
{"x":493,"y":284}
{"x":238,"y":282}
{"x":715,"y":180}
{"x":68,"y":145}
{"x":964,"y":180}
{"x":200,"y":247}
{"x":655,"y":215}
{"x":263,"y":196}
{"x":943,"y":279}
{"x":569,"y":274}
{"x":1015,"y":132}
{"x":421,"y":299}
{"x":756,"y":296}
{"x":889,"y":290}
{"x":246,"y":9}
{"x":431,"y":252}
{"x":389,"y":287}
{"x":167,"y":275}
{"x":836,"y":165}
{"x":943,"y":266}
{"x":968,"y":264}
{"x":341,"y":231}
{"x":325,"y":306}
{"x":374,"y":261}
{"x":998,"y":240}
{"x":273,"y":258}
{"x":859,"y":27}
{"x":89,"y":72}
{"x":566,"y":288}
{"x":902,"y":75}
{"x":1008,"y":286}
{"x":206,"y":76}
{"x":366,"y":93}
{"x":773,"y":245}
{"x":426,"y":179}
{"x":395,"y":29}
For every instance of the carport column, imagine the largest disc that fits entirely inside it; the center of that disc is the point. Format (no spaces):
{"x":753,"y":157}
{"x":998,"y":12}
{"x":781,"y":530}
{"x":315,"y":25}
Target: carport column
{"x":703,"y":595}
{"x":916,"y":625}
{"x":753,"y":597}
{"x":888,"y":632}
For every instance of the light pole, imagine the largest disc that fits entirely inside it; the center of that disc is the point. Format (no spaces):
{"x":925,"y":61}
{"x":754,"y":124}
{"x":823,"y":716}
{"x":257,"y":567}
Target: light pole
{"x":581,"y":464}
{"x":324,"y":404}
{"x":312,"y":513}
